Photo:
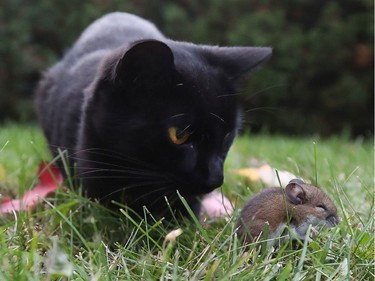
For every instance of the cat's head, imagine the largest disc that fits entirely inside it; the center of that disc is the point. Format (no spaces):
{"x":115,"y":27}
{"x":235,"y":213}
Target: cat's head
{"x":170,"y":107}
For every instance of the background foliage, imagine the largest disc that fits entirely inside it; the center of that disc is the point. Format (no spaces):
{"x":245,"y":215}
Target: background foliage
{"x":320,"y":78}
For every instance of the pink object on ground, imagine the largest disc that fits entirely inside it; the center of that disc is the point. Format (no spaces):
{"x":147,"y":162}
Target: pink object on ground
{"x":49,"y":179}
{"x":216,"y":205}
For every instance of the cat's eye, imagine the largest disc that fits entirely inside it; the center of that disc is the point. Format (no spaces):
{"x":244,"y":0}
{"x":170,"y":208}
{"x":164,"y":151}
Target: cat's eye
{"x":322,"y":206}
{"x":178,"y":136}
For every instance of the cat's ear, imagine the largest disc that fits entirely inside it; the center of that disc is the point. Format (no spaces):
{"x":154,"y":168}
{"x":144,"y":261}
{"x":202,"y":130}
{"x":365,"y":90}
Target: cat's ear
{"x":147,"y":60}
{"x":237,"y":61}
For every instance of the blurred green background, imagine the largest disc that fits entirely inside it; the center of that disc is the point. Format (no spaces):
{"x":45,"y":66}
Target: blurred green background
{"x":319,"y":80}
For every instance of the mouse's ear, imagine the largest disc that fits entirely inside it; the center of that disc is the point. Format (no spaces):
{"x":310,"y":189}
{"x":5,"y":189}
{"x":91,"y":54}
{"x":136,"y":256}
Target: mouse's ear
{"x":295,"y":192}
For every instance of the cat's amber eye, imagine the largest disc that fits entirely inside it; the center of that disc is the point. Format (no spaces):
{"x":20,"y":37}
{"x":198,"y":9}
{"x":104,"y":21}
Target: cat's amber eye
{"x":178,"y":136}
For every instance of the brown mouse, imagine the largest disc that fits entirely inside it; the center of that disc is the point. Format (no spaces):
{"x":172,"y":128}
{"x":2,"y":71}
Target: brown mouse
{"x":298,"y":205}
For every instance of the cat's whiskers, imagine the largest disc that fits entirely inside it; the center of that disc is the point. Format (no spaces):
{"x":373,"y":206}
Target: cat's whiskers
{"x":110,"y":153}
{"x":133,"y":172}
{"x":148,"y":179}
{"x":137,"y":185}
{"x":125,"y":174}
{"x":252,"y":95}
{"x":110,"y":177}
{"x":151,"y":182}
{"x":170,"y":196}
{"x":153,"y":191}
{"x":97,"y":151}
{"x":218,"y":117}
{"x":141,"y":175}
{"x":268,"y":109}
{"x":177,"y":115}
{"x":228,"y":95}
{"x":263,"y":91}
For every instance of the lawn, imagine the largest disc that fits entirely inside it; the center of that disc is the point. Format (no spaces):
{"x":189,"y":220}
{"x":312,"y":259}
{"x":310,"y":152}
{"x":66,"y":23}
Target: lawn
{"x":68,"y":237}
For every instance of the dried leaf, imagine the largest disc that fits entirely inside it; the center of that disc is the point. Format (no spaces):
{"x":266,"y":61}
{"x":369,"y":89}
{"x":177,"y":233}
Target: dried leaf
{"x":171,"y":236}
{"x":267,"y":175}
{"x":251,"y":173}
{"x":168,"y":243}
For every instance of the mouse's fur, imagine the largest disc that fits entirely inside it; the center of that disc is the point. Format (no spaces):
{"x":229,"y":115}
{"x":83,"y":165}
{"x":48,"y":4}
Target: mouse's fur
{"x":298,"y":206}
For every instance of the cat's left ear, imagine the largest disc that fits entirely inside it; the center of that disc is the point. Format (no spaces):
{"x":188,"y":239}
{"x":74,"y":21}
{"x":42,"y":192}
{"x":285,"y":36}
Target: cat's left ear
{"x":237,"y":61}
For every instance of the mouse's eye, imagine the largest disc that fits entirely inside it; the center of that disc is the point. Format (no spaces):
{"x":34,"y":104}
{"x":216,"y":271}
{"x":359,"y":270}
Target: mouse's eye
{"x":322,"y":207}
{"x":178,"y":136}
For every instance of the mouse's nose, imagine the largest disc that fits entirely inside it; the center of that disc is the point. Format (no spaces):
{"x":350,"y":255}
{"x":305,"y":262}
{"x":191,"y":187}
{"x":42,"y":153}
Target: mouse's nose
{"x":333,"y":220}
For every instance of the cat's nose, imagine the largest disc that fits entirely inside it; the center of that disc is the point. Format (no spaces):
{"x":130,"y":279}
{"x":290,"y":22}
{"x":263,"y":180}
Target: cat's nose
{"x":215,"y":175}
{"x":215,"y":181}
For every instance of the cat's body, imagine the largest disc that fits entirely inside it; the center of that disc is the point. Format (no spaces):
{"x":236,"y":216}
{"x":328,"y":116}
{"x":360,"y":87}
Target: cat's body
{"x":142,"y":115}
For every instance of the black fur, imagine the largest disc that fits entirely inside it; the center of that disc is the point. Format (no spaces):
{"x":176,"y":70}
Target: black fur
{"x":112,"y":98}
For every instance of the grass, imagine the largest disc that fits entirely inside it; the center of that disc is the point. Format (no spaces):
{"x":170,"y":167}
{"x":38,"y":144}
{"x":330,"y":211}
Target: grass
{"x":70,"y":238}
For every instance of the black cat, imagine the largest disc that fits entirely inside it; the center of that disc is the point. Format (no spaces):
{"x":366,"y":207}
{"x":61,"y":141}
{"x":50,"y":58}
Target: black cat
{"x":143,"y":116}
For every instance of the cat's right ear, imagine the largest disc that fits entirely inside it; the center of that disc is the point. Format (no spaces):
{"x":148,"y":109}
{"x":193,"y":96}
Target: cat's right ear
{"x":145,"y":62}
{"x":237,"y":61}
